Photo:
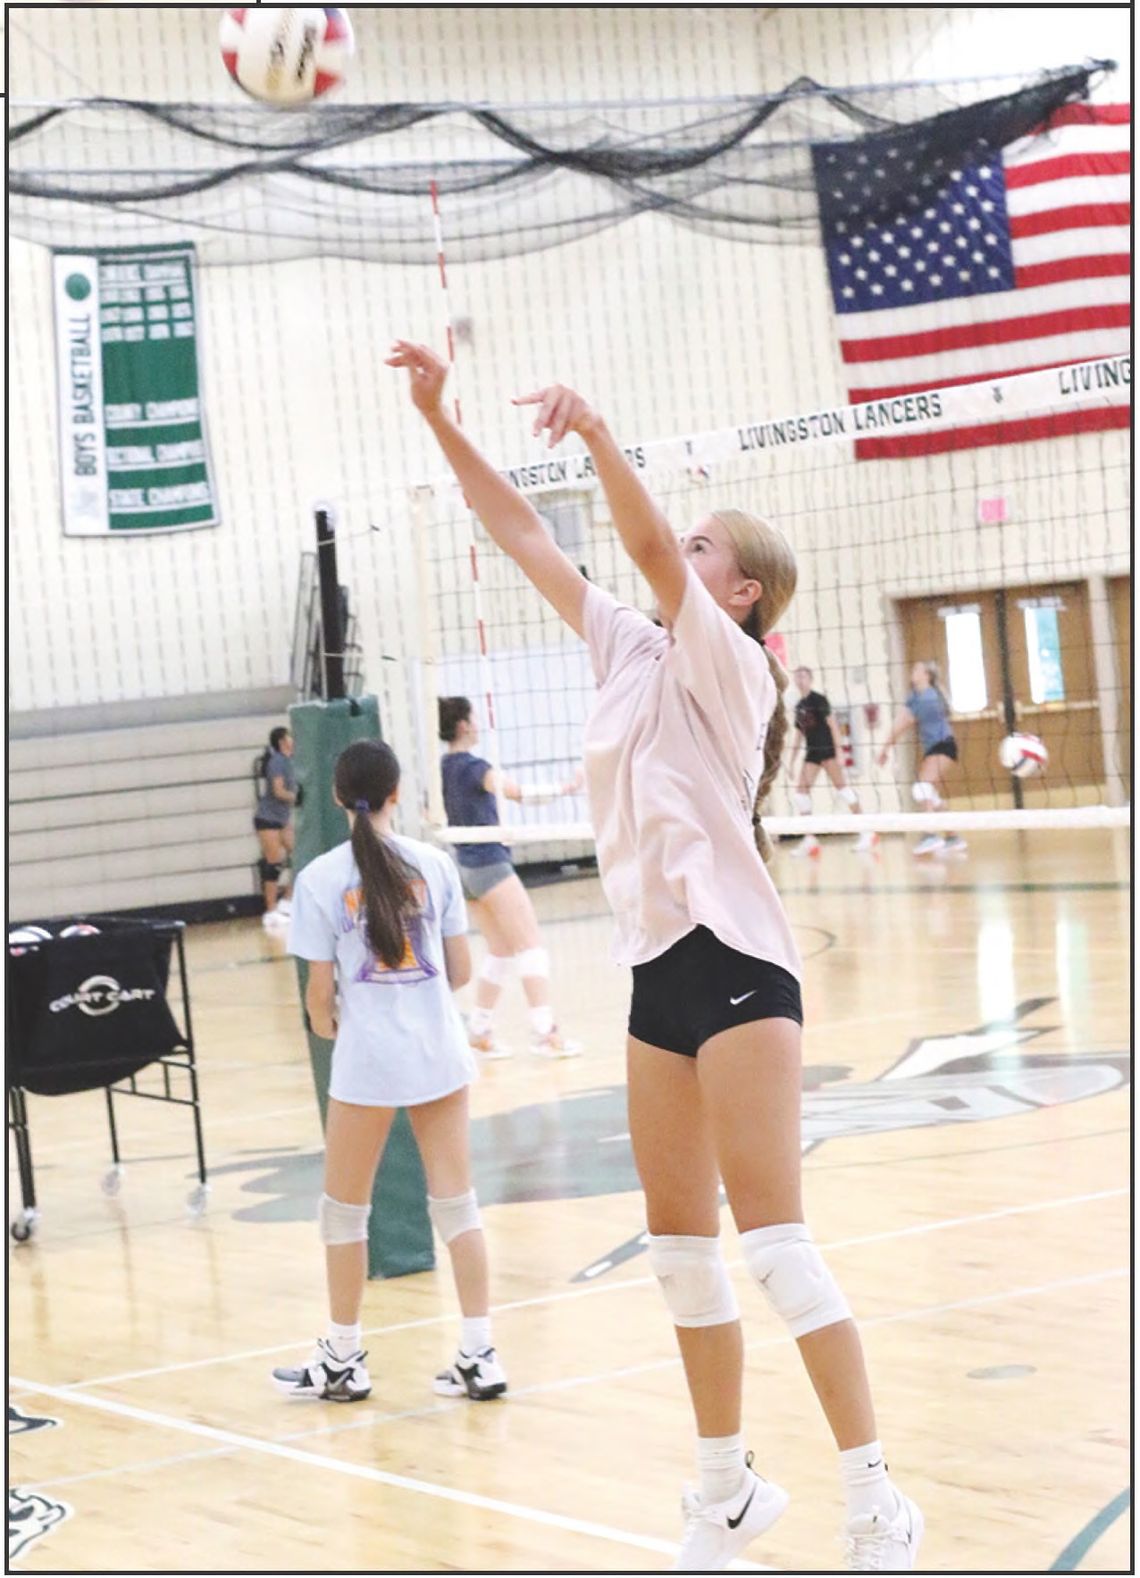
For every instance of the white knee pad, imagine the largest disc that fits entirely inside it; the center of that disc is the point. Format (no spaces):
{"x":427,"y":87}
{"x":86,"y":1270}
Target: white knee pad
{"x":495,"y":968}
{"x":533,"y":962}
{"x":455,"y":1215}
{"x":339,"y":1223}
{"x":926,"y":795}
{"x":792,"y":1272}
{"x":693,"y":1279}
{"x":802,"y":802}
{"x":848,"y":795}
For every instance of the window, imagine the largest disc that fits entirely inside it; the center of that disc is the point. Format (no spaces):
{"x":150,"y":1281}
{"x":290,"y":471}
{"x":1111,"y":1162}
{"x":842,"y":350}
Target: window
{"x":965,"y":663}
{"x":1043,"y":644}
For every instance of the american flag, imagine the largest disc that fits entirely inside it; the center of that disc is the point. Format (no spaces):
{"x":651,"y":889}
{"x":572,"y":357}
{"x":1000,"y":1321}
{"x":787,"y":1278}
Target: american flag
{"x":1014,"y":261}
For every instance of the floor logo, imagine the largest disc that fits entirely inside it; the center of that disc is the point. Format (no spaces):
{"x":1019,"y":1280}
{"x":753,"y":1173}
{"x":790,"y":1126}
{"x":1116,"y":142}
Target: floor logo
{"x":578,"y":1146}
{"x":31,"y":1514}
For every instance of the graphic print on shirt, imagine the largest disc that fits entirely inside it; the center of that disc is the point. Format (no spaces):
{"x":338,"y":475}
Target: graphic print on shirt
{"x":415,"y":965}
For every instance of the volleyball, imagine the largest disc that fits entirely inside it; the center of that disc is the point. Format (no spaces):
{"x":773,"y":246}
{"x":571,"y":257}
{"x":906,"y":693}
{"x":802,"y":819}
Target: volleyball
{"x":286,"y":55}
{"x":1023,"y":755}
{"x":26,"y":939}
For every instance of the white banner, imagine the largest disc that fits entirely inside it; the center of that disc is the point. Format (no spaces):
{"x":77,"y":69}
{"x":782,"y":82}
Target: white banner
{"x":83,"y":450}
{"x":1103,"y":382}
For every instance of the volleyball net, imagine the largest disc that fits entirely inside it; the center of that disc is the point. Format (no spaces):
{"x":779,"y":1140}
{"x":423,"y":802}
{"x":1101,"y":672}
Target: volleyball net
{"x":1004,"y":562}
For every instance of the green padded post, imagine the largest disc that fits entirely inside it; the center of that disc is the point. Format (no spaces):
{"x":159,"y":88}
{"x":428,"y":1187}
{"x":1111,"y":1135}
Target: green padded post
{"x":399,"y":1229}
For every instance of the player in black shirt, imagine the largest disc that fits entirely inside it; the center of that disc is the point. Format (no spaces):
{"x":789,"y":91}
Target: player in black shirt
{"x":815,"y":739}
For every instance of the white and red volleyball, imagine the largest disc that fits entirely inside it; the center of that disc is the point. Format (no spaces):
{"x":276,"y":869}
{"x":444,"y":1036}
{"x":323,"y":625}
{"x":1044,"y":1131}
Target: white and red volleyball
{"x":1023,"y":755}
{"x":286,"y":55}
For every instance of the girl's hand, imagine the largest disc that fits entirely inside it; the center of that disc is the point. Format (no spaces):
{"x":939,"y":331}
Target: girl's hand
{"x":561,"y":411}
{"x":427,"y":374}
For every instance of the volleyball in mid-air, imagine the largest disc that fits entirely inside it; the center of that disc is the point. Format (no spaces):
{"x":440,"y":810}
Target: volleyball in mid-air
{"x":286,"y":55}
{"x":1023,"y":755}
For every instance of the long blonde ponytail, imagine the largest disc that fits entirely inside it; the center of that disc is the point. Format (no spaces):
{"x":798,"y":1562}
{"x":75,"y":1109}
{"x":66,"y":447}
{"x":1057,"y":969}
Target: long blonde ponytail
{"x":765,"y":555}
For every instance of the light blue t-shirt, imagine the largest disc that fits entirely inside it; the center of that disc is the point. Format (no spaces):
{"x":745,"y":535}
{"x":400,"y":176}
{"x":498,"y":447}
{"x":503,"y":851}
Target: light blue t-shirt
{"x":400,"y":1039}
{"x":928,"y":709}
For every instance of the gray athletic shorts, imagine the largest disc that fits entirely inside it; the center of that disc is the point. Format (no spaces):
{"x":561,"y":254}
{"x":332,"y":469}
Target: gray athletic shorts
{"x":478,"y":880}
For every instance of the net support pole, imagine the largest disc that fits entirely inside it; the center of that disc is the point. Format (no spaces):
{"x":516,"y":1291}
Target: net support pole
{"x":429,"y":660}
{"x":1108,"y":678}
{"x":332,"y":635}
{"x":1009,"y":706}
{"x":399,"y":1229}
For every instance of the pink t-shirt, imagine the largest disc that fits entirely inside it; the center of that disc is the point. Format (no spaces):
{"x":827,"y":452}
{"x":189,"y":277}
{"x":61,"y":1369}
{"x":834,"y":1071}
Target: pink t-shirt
{"x":674,"y":752}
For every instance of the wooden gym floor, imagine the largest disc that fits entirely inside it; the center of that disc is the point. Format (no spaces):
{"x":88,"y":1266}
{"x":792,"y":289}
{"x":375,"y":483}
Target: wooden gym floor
{"x":967,"y":1136}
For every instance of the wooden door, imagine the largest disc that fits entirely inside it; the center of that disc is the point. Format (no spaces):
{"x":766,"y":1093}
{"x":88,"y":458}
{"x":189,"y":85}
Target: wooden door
{"x":1047,"y":670}
{"x":1120,"y":601}
{"x":978,"y":731}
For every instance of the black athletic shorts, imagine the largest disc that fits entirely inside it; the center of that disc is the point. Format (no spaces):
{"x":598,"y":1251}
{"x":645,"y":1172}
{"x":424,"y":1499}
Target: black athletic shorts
{"x":816,"y":755}
{"x":262,"y":826}
{"x":947,"y":747}
{"x":699,"y":987}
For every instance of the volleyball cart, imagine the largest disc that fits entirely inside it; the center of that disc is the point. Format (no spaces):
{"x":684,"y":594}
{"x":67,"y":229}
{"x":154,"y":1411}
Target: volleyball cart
{"x":92,"y":1011}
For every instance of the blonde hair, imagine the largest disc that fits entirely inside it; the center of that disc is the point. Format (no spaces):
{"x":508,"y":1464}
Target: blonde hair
{"x":765,"y":555}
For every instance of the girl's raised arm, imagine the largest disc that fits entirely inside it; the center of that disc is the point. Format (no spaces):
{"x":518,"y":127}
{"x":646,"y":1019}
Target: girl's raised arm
{"x":646,"y":535}
{"x":509,"y":519}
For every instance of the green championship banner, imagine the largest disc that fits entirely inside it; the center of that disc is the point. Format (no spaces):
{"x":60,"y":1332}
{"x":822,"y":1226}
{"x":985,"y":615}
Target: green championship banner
{"x":133,"y":450}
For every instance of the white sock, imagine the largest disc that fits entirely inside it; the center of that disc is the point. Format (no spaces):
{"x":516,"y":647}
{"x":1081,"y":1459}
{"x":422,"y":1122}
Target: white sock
{"x":479,"y":1021}
{"x":865,"y":1481}
{"x":541,"y":1021}
{"x":475,"y":1333}
{"x":721,"y":1462}
{"x":343,"y":1340}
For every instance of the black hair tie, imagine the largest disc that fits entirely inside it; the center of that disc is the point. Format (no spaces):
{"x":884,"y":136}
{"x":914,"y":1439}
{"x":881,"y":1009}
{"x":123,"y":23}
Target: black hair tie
{"x":362,"y":805}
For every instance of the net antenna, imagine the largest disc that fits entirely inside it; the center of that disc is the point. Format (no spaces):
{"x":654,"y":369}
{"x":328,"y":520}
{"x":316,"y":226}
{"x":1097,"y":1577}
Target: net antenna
{"x":486,"y":684}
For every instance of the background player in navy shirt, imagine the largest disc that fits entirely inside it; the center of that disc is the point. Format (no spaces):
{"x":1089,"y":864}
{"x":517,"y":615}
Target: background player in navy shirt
{"x":501,"y":905}
{"x":815,"y":739}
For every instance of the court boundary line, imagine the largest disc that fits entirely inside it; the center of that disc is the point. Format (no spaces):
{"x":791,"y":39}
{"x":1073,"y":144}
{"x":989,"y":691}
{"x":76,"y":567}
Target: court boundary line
{"x":233,"y":1441}
{"x":626,"y":1284}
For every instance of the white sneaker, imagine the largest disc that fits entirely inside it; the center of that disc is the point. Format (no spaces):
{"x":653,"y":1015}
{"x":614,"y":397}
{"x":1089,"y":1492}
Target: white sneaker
{"x":479,"y":1376}
{"x":954,"y":844}
{"x":875,"y":1545}
{"x":486,"y":1044}
{"x":715,"y":1532}
{"x":326,"y":1377}
{"x":808,"y":848}
{"x":930,"y":845}
{"x":864,"y":844}
{"x":554,"y":1044}
{"x":274,"y":920}
{"x":285,"y":907}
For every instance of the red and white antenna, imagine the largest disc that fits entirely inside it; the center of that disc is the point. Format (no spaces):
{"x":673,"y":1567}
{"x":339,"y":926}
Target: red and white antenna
{"x":485,"y":681}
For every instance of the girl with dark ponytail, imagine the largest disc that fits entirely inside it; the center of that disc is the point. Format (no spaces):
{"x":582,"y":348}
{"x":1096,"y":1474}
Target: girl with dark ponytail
{"x":382,"y":918}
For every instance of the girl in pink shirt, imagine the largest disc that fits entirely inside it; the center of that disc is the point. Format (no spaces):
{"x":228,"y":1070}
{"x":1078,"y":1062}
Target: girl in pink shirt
{"x":682,"y":743}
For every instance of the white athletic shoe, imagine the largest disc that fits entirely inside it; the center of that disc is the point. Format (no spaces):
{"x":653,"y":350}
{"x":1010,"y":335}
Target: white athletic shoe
{"x":554,"y":1044}
{"x":865,"y":843}
{"x":715,"y":1532}
{"x":274,"y":920}
{"x":285,"y":907}
{"x":930,"y":845}
{"x":326,"y":1377}
{"x":954,"y":844}
{"x":479,"y":1376}
{"x":874,"y":1544}
{"x":486,"y":1044}
{"x":808,"y":848}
